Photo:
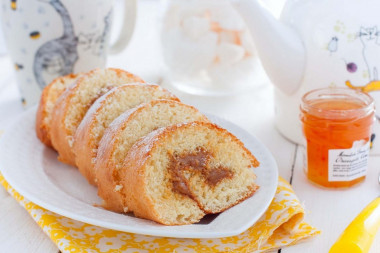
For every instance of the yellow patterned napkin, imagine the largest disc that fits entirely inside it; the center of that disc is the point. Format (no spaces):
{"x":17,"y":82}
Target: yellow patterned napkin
{"x":281,"y":225}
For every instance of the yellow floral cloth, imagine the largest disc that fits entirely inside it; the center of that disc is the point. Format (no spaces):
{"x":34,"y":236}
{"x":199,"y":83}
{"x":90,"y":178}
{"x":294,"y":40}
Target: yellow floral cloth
{"x":281,"y":225}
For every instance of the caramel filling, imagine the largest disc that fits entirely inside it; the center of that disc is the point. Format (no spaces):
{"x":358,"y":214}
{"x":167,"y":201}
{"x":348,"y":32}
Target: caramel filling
{"x":215,"y":175}
{"x":182,"y":166}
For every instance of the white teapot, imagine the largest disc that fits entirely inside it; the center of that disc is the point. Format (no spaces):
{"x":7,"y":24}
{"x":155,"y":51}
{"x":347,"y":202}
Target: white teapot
{"x":315,"y":44}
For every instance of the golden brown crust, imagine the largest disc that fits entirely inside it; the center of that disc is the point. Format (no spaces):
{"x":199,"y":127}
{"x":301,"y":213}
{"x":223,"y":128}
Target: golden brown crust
{"x":105,"y":167}
{"x":50,"y":94}
{"x":42,"y":130}
{"x":104,"y":175}
{"x":63,"y":137}
{"x":85,"y":146}
{"x":58,"y":131}
{"x":133,"y":179}
{"x":133,"y":172}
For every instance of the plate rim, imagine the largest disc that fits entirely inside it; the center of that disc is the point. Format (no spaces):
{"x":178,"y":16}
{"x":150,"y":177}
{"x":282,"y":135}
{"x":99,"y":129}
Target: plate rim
{"x":132,"y":229}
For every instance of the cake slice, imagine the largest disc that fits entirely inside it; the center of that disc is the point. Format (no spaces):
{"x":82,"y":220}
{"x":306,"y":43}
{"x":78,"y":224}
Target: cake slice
{"x":177,"y":174}
{"x":124,"y":132}
{"x":49,"y":97}
{"x":73,"y":104}
{"x":102,"y":113}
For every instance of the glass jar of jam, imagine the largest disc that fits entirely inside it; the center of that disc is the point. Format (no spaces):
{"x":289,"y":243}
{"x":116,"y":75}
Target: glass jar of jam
{"x":337,"y":125}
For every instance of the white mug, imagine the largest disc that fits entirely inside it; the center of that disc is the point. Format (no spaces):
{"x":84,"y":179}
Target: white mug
{"x":50,"y":38}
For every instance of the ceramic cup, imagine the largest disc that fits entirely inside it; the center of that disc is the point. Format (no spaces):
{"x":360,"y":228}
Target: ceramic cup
{"x":50,"y":38}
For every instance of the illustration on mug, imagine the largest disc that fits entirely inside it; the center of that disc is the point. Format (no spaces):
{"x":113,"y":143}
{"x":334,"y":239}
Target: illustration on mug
{"x":369,"y":52}
{"x":58,"y":56}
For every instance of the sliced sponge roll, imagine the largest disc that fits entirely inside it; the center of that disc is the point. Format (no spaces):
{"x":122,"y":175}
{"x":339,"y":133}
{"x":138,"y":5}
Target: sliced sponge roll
{"x":124,"y":132}
{"x":102,"y":113}
{"x":74,"y":103}
{"x":49,"y":97}
{"x":191,"y":168}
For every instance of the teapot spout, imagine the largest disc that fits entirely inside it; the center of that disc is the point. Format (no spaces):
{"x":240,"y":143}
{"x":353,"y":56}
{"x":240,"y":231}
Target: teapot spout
{"x":279,"y":47}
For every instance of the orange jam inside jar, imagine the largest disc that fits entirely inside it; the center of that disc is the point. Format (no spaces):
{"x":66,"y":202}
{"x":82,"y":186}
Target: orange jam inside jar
{"x":337,"y":125}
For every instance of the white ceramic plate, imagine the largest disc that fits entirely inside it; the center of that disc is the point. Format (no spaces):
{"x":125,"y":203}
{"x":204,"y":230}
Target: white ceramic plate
{"x":33,"y":171}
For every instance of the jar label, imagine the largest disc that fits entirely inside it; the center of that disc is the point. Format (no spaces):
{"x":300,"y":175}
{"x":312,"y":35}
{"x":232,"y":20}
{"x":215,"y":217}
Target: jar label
{"x":348,"y":164}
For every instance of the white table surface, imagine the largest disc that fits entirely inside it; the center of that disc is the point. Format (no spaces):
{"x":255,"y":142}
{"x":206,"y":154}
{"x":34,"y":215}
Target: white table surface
{"x":329,"y":210}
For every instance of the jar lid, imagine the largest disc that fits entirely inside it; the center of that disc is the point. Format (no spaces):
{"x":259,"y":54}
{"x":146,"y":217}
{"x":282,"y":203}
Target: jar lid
{"x":337,"y":103}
